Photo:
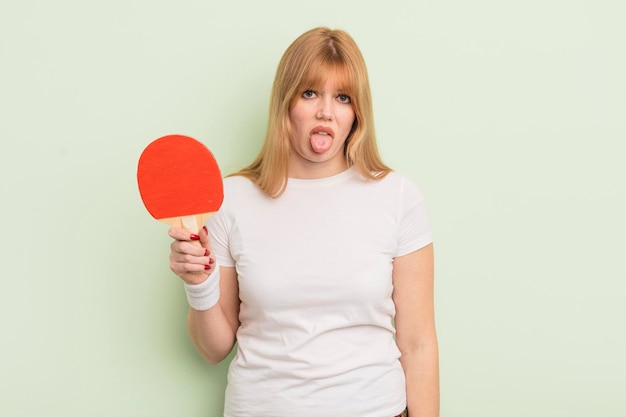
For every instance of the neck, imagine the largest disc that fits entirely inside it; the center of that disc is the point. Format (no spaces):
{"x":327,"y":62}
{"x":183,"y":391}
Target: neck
{"x":306,"y":170}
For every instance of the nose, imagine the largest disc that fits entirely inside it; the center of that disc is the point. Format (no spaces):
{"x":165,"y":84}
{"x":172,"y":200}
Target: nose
{"x":325,"y":110}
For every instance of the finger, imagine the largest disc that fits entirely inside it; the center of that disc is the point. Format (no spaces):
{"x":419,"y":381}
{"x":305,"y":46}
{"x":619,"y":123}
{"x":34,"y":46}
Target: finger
{"x":189,"y":248}
{"x":205,"y":239}
{"x":190,"y":263}
{"x":180,"y":233}
{"x":181,"y":268}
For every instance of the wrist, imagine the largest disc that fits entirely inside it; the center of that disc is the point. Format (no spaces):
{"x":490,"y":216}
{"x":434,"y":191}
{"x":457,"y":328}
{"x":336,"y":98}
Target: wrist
{"x":204,"y":295}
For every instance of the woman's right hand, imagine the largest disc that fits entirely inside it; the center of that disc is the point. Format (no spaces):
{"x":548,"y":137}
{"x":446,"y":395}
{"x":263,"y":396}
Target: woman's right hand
{"x":191,"y":257}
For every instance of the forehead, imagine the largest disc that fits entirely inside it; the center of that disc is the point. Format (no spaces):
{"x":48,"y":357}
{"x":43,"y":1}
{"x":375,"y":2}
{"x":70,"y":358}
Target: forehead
{"x":317,"y":75}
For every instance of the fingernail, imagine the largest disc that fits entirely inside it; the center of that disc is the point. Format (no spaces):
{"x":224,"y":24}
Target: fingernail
{"x":211,"y":261}
{"x":206,"y":252}
{"x":207,"y":267}
{"x":205,"y":229}
{"x":194,"y":237}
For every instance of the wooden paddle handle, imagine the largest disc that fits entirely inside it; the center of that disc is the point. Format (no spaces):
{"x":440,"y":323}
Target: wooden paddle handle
{"x":192,"y":223}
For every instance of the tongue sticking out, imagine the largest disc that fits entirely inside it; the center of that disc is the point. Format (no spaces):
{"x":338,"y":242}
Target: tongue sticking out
{"x":320,"y":142}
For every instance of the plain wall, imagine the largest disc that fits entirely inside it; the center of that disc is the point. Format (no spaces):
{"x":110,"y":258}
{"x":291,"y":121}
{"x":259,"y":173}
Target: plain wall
{"x":509,"y":115}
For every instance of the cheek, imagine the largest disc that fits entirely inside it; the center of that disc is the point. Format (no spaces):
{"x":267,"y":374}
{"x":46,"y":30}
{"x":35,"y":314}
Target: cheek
{"x":348,"y":119}
{"x":292,"y":126}
{"x":295,"y":118}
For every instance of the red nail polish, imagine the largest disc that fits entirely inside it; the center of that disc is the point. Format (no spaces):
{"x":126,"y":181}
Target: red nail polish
{"x":207,"y":267}
{"x":211,"y":261}
{"x":194,"y":237}
{"x":205,"y":229}
{"x":206,"y":252}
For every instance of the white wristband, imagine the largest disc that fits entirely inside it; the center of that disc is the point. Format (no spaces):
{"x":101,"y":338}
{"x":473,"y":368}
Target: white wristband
{"x":203,"y":296}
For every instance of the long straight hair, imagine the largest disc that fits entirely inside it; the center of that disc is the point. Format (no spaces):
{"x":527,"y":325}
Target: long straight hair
{"x":306,"y":64}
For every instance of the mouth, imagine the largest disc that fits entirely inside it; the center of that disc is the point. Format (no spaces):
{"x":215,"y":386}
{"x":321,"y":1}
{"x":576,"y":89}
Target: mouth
{"x":322,"y":130}
{"x":321,"y":139}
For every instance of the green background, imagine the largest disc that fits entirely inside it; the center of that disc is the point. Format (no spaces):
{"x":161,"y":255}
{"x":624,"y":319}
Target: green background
{"x":510,"y":115}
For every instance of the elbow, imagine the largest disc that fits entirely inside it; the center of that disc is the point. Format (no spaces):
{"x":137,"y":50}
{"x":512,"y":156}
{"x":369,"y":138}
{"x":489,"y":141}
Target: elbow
{"x":213,"y":349}
{"x":214,"y":356}
{"x":213,"y":361}
{"x":419,"y":345}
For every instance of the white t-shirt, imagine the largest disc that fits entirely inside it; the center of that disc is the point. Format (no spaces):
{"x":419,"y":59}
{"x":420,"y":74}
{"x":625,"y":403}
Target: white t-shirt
{"x":314,"y":269}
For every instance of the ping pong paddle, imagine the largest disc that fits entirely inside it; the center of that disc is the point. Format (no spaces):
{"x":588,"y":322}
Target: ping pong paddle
{"x":179,"y":181}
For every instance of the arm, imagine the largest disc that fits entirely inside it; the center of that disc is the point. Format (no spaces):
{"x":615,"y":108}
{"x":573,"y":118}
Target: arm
{"x":413,"y":295}
{"x":212,"y":331}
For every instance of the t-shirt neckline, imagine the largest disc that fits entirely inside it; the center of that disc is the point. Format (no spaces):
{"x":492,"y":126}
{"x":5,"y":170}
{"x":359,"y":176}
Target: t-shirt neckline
{"x":316,"y":182}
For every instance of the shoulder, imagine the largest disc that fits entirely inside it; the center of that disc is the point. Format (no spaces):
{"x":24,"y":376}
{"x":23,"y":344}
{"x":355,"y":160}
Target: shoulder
{"x":401,"y":184}
{"x":239,"y":183}
{"x":238,"y":189}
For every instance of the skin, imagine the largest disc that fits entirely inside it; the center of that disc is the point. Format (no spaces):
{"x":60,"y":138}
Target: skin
{"x":214,"y":331}
{"x":413,"y":281}
{"x":327,"y":108}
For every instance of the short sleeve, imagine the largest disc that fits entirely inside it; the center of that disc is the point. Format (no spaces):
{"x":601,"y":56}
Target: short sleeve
{"x":414,"y":223}
{"x":219,"y":231}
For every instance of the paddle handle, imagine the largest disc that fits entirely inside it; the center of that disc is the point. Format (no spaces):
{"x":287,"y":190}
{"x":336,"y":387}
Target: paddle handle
{"x":192,"y":223}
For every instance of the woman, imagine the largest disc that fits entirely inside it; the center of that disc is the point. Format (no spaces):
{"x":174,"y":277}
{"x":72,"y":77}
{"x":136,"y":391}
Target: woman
{"x":320,"y":261}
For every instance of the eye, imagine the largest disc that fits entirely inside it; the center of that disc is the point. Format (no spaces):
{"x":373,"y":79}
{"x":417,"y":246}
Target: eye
{"x":344,"y":99}
{"x":308,"y":94}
